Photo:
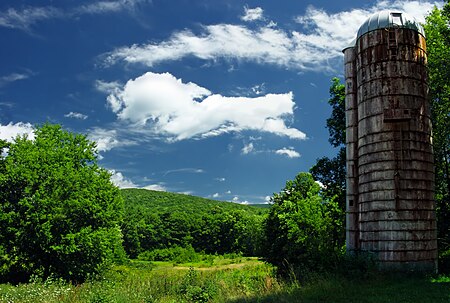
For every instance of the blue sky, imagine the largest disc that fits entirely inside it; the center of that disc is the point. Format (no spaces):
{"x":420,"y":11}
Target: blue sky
{"x":222,"y":99}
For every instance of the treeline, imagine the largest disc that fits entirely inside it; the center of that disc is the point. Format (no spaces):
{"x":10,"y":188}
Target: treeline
{"x":160,"y":220}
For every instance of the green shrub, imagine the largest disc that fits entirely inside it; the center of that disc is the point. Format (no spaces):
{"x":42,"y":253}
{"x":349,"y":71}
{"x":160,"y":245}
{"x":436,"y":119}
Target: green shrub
{"x":196,"y":289}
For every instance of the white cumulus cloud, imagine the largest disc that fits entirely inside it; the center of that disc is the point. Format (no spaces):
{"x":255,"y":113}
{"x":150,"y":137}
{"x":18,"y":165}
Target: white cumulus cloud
{"x":178,"y":110}
{"x":12,"y":130}
{"x":118,"y":179}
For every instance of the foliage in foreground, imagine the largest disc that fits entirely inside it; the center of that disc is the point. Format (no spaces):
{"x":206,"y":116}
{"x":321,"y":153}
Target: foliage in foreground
{"x":59,"y":212}
{"x":254,"y":282}
{"x":131,"y":284}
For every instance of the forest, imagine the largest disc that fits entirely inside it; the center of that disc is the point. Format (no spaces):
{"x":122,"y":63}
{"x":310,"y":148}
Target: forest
{"x":69,"y":235}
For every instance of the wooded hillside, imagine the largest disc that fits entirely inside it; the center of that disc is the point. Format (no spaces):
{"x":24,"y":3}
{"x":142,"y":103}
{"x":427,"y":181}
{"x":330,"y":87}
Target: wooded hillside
{"x":162,"y":220}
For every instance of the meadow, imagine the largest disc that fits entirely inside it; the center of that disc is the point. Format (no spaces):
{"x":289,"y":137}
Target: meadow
{"x":234,"y":280}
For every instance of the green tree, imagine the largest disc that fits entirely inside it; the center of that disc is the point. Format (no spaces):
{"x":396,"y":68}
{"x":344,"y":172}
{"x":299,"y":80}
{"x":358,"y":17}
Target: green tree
{"x":336,"y":123}
{"x":437,"y":30}
{"x":299,"y":227}
{"x":59,"y":212}
{"x":331,"y":172}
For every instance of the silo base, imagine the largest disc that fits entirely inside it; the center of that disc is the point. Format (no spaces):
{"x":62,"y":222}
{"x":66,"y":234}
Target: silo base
{"x":425,"y":267}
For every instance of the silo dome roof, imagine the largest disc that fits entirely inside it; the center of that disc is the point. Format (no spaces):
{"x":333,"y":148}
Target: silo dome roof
{"x":388,"y":19}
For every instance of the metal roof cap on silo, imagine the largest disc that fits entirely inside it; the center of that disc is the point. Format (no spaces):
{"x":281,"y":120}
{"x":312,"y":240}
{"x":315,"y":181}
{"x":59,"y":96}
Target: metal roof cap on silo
{"x":388,"y":19}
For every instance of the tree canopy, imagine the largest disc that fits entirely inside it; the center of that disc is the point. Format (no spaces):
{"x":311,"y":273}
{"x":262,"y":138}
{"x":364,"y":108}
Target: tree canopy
{"x":161,"y":220}
{"x":300,"y":230}
{"x":331,"y":171}
{"x":437,"y":30}
{"x":59,"y":211}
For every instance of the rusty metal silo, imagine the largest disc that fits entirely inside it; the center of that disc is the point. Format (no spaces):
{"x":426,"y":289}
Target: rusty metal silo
{"x":390,"y":171}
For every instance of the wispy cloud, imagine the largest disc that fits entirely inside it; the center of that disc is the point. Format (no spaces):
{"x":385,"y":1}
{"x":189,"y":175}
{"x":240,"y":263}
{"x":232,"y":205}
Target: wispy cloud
{"x":315,"y":45}
{"x":108,"y":139}
{"x":103,"y":7}
{"x":248,"y":148}
{"x":288,"y":151}
{"x":76,"y":115}
{"x":166,"y":105}
{"x":25,"y":18}
{"x":107,"y":87}
{"x":252,"y":14}
{"x":221,"y":41}
{"x":185,"y":170}
{"x":13,"y":77}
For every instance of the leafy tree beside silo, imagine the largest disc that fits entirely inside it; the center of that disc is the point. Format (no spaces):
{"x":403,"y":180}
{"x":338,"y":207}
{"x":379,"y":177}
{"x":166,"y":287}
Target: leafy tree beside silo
{"x":59,"y":211}
{"x":300,"y":228}
{"x":437,"y":30}
{"x":331,"y":172}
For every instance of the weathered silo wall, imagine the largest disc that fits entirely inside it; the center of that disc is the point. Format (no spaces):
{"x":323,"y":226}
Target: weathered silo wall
{"x":390,"y":172}
{"x":351,"y":131}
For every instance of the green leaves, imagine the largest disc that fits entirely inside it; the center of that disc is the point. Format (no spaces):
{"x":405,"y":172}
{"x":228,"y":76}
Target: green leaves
{"x":336,"y":123}
{"x":437,"y":30}
{"x":301,"y":225}
{"x":161,"y":220}
{"x":60,"y":212}
{"x":331,"y":171}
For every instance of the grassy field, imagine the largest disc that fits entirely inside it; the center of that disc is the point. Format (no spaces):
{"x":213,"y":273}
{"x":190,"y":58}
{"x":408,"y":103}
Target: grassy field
{"x":235,"y":281}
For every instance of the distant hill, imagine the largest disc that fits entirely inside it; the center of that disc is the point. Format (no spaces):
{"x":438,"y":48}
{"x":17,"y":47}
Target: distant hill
{"x":161,"y":202}
{"x":162,"y":220}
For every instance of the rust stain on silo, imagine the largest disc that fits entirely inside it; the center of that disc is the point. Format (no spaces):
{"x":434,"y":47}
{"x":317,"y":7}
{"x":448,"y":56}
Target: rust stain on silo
{"x":390,"y":170}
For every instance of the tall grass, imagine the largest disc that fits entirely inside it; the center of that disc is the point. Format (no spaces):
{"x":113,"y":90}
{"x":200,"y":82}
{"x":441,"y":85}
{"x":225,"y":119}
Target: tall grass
{"x":129,"y":284}
{"x":250,"y":281}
